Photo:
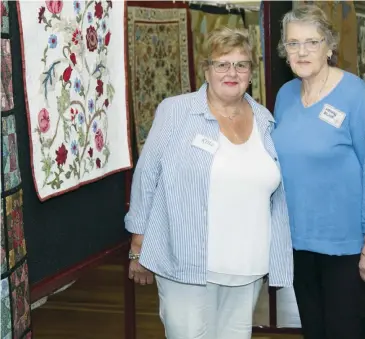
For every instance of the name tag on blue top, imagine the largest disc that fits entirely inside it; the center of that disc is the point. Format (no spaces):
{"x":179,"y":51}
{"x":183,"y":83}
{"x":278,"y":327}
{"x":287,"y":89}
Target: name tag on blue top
{"x":205,"y":143}
{"x":332,"y":116}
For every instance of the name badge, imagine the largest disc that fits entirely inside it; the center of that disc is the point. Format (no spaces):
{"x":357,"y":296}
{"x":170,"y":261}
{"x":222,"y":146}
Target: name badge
{"x":332,"y":116}
{"x":205,"y":143}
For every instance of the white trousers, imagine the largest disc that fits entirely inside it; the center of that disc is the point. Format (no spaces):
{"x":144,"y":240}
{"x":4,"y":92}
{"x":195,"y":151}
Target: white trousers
{"x":207,"y":312}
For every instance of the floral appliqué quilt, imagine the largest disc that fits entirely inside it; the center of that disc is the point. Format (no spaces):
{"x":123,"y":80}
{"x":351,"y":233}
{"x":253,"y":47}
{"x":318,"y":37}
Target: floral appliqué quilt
{"x":75,"y":83}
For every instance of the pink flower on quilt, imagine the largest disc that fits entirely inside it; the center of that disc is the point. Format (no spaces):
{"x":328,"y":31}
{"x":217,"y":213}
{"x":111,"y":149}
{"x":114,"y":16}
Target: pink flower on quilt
{"x":99,"y":140}
{"x":91,"y":39}
{"x":55,"y":7}
{"x":43,"y":120}
{"x":61,"y":155}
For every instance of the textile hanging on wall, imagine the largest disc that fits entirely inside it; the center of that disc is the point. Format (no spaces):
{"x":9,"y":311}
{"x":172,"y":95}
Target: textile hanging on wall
{"x":160,"y":58}
{"x":75,"y":84}
{"x":204,"y":19}
{"x":343,"y":16}
{"x":15,"y":299}
{"x":258,"y":74}
{"x":361,"y":45}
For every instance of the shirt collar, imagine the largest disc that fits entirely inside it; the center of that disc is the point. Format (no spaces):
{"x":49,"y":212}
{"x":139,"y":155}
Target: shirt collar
{"x":200,"y":106}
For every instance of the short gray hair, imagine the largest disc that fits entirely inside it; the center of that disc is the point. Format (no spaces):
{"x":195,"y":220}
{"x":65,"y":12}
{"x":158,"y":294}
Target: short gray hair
{"x":310,"y":14}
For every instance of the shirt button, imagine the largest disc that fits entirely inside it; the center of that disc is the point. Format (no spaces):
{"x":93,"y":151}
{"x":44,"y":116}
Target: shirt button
{"x":275,"y":159}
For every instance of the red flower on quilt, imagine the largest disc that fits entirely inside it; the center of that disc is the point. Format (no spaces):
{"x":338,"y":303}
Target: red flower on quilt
{"x":41,"y":14}
{"x":98,"y":10}
{"x":107,"y":38}
{"x":99,"y":88}
{"x":55,"y":7}
{"x":99,"y":140}
{"x":76,"y":36}
{"x":90,"y":151}
{"x":43,"y":120}
{"x":106,"y":102}
{"x":98,"y":163}
{"x":73,"y":58}
{"x":67,"y":74}
{"x":61,"y":155}
{"x":91,"y":39}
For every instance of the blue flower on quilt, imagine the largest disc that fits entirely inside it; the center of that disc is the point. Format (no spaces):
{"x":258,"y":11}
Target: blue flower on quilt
{"x":81,"y":118}
{"x":52,"y":41}
{"x":74,"y":147}
{"x":95,"y":126}
{"x":91,"y":105}
{"x":89,"y":17}
{"x":77,"y":85}
{"x":100,"y":40}
{"x":77,"y":7}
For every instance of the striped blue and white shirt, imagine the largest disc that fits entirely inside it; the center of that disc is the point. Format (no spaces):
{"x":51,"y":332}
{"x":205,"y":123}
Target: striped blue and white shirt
{"x":170,"y":189}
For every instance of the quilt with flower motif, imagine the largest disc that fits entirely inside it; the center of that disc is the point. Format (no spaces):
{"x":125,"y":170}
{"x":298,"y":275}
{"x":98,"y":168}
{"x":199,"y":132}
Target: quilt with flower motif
{"x":75,"y":84}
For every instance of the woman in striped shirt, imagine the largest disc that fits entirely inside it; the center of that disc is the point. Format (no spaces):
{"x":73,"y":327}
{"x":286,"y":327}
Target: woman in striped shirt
{"x":208,"y":212}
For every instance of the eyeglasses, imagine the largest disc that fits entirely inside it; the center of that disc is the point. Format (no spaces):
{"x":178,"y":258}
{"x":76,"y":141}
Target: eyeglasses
{"x":309,"y":45}
{"x":224,"y":66}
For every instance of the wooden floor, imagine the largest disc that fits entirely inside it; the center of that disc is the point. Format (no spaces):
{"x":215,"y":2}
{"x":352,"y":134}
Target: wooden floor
{"x":92,"y":308}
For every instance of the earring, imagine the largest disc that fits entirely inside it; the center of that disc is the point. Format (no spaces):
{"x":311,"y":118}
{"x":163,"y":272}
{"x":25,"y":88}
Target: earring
{"x":250,"y":82}
{"x":287,"y":61}
{"x":329,"y":55}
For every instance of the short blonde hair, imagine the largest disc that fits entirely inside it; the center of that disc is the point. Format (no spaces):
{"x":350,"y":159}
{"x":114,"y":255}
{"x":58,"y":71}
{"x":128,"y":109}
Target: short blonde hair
{"x":224,"y":40}
{"x":310,"y":14}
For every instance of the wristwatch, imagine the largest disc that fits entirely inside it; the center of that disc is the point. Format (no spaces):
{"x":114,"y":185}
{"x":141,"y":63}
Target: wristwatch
{"x":133,"y":256}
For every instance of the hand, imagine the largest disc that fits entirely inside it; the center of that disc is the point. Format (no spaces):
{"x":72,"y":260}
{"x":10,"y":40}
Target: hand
{"x":139,"y":274}
{"x":362,"y":265}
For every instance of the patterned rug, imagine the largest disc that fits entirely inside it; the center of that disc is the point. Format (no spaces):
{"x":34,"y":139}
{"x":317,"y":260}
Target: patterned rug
{"x":15,"y":301}
{"x":76,"y":91}
{"x":160,"y":58}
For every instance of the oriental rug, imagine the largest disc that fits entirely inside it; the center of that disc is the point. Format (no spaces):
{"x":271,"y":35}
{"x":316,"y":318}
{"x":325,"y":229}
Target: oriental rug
{"x":75,"y":84}
{"x":160,"y":58}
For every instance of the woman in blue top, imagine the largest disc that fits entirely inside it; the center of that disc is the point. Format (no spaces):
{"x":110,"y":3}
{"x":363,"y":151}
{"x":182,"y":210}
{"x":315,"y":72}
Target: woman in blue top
{"x":320,"y":140}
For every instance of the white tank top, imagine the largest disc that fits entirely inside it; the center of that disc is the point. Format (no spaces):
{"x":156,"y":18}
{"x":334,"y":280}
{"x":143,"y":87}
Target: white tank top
{"x":243,"y":178}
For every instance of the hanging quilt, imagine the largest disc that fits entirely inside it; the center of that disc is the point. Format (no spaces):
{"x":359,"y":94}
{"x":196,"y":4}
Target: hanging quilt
{"x":361,"y":45}
{"x":160,"y":58}
{"x":75,"y":84}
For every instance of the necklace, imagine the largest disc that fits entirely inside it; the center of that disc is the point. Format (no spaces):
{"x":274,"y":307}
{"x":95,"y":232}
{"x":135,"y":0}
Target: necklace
{"x":231,"y":118}
{"x":306,"y":102}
